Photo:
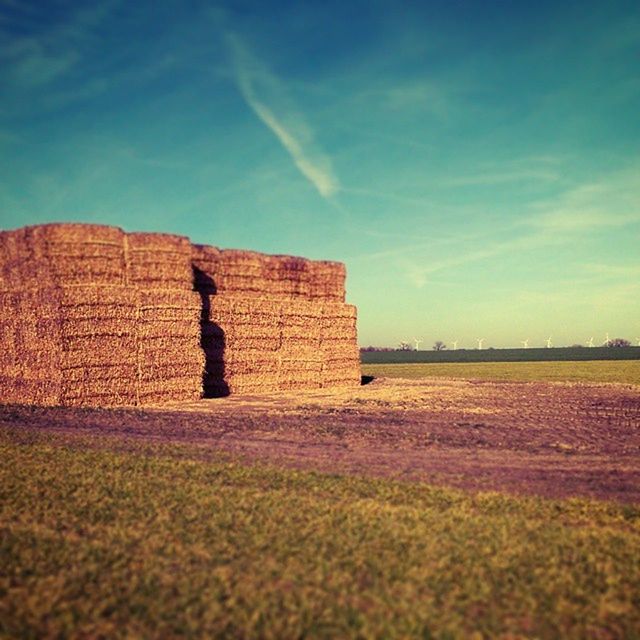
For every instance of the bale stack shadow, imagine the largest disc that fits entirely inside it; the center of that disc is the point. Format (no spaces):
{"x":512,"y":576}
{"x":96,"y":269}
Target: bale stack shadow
{"x":93,"y":316}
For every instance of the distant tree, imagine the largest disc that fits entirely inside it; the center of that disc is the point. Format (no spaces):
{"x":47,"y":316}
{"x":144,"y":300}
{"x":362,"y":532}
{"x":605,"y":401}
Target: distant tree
{"x":618,"y":342}
{"x":404,"y":346}
{"x":576,"y":346}
{"x":438,"y":345}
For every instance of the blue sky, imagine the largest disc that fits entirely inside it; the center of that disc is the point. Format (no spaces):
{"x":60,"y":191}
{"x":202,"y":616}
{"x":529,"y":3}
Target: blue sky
{"x":475,"y":164}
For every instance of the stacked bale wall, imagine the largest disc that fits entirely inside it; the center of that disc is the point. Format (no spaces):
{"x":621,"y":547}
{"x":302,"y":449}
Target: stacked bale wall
{"x":91,"y":315}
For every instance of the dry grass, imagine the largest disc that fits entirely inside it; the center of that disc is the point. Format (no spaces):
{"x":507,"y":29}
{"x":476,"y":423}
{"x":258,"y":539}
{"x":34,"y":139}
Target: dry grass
{"x":156,"y":542}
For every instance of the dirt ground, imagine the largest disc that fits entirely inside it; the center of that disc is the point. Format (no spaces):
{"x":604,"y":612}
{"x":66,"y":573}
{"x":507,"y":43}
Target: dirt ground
{"x":548,"y":439}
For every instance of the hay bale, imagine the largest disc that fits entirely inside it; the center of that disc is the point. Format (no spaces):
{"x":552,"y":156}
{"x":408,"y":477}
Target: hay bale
{"x":170,"y":354}
{"x":158,"y":260}
{"x":287,"y":275}
{"x":90,"y":301}
{"x":77,"y":253}
{"x":17,"y":270}
{"x":239,"y":272}
{"x":29,"y":366}
{"x":327,"y":280}
{"x":139,"y":318}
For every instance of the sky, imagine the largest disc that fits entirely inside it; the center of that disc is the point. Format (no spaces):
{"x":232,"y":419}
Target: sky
{"x":476,"y":165}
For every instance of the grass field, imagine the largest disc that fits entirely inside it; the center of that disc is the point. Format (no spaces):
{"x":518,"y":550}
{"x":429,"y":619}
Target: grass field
{"x":153,"y":542}
{"x":624,"y":371}
{"x":571,"y":354}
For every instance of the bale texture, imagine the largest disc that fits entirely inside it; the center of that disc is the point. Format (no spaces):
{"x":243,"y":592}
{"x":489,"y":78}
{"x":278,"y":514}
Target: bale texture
{"x":93,"y":316}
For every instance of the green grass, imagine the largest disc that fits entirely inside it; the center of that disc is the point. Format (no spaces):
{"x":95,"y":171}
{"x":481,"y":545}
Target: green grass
{"x":625,"y":371}
{"x":533,"y":354}
{"x":100,"y":543}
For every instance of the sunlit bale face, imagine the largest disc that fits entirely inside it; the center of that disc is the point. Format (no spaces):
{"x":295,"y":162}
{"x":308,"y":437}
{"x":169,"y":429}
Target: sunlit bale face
{"x":110,"y":318}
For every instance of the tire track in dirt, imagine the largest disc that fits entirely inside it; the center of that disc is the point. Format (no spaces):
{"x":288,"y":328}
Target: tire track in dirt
{"x":548,"y":439}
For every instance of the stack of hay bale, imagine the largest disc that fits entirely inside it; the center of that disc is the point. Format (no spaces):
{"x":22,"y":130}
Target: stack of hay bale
{"x":108,"y":318}
{"x":274,"y":322}
{"x":30,"y":342}
{"x":169,"y":355}
{"x":97,"y":311}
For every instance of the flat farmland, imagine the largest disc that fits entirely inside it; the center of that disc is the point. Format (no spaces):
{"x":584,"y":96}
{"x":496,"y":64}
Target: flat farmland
{"x":437,"y":508}
{"x":623,"y":371}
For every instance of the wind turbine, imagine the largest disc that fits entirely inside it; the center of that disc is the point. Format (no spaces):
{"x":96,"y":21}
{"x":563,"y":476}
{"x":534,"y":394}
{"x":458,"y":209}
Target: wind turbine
{"x":549,"y":344}
{"x":590,"y":343}
{"x":525,"y":343}
{"x":480,"y":341}
{"x":638,"y":339}
{"x":455,"y":344}
{"x":417,"y":343}
{"x":606,"y":340}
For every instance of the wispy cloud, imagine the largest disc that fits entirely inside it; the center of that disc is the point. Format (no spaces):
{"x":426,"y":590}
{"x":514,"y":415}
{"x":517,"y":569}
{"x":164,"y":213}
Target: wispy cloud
{"x":267,"y":97}
{"x":36,"y":54}
{"x":591,"y":207}
{"x":612,"y":201}
{"x":481,"y":178}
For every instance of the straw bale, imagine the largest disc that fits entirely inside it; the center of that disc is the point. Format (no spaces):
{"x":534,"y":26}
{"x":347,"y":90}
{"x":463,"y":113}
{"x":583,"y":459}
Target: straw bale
{"x":246,"y":284}
{"x":267,"y":344}
{"x":327,"y":280}
{"x":70,"y":232}
{"x":112,"y":251}
{"x":22,"y":390}
{"x":86,"y":269}
{"x":170,"y":352}
{"x":295,"y":367}
{"x":300,"y":348}
{"x":93,"y":397}
{"x":156,"y":260}
{"x":248,"y":362}
{"x":86,"y":296}
{"x":158,"y":243}
{"x":244,"y":383}
{"x":14,"y":257}
{"x":340,"y":345}
{"x":187,"y":386}
{"x":108,"y":350}
{"x":149,"y":398}
{"x":185,"y":371}
{"x":79,"y":373}
{"x":98,"y":326}
{"x":247,"y":330}
{"x":301,"y":308}
{"x":98,"y":386}
{"x":299,"y":331}
{"x":81,"y":335}
{"x":238,"y":262}
{"x":332,"y":309}
{"x":170,"y":304}
{"x":240,"y":309}
{"x":77,"y":253}
{"x":167,"y":330}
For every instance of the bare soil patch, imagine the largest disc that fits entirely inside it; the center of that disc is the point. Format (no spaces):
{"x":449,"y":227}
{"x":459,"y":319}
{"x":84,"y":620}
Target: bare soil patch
{"x":547,"y":439}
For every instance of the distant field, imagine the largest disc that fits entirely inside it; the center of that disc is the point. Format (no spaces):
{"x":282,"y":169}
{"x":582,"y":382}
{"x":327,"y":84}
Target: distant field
{"x":627,"y":371}
{"x":572,"y":354}
{"x":160,"y":543}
